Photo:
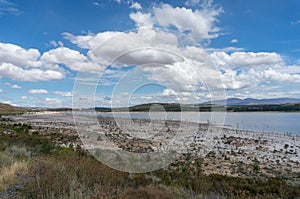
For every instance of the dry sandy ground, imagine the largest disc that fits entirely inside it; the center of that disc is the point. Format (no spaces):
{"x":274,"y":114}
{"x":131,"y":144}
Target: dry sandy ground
{"x":224,"y":151}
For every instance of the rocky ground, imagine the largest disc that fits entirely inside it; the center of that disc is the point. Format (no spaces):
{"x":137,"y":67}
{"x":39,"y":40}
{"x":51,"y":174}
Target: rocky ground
{"x":224,"y":151}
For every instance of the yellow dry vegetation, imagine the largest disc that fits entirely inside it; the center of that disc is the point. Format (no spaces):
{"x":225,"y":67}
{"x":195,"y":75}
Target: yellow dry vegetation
{"x":10,"y":169}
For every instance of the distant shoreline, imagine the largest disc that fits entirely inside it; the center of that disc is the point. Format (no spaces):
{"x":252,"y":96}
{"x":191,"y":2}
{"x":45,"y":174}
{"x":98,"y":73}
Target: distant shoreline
{"x":6,"y":109}
{"x":227,"y":111}
{"x":171,"y":107}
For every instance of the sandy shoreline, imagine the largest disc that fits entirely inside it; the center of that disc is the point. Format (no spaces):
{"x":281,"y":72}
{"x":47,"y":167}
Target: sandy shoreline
{"x":224,"y":150}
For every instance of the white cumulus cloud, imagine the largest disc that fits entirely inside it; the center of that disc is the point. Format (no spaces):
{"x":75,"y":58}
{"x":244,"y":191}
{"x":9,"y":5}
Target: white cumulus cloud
{"x":199,"y":23}
{"x":234,"y":41}
{"x":142,"y":19}
{"x":247,"y":58}
{"x":168,"y":92}
{"x":136,"y":6}
{"x":32,"y":75}
{"x":12,"y":85}
{"x":70,"y":58}
{"x":21,"y":64}
{"x":277,"y":76}
{"x":131,"y":48}
{"x":10,"y":53}
{"x":82,"y":40}
{"x":38,"y":91}
{"x":64,"y":94}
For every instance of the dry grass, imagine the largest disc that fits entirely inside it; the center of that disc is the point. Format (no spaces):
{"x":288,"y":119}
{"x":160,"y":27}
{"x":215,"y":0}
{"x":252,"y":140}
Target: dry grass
{"x":8,"y":174}
{"x":13,"y":161}
{"x":71,"y":176}
{"x":6,"y":159}
{"x":18,"y":151}
{"x":149,"y":193}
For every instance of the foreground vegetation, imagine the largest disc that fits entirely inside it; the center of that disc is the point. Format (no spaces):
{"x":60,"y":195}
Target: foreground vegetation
{"x":33,"y":166}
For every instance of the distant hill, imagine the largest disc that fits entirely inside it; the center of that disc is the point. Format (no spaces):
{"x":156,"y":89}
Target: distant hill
{"x":252,"y":101}
{"x":290,"y":107}
{"x":295,"y":107}
{"x":160,"y":107}
{"x":165,"y":106}
{"x":102,"y":109}
{"x":7,"y":109}
{"x":231,"y":105}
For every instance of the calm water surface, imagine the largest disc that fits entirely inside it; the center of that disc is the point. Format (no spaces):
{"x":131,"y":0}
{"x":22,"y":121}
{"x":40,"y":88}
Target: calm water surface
{"x":256,"y":121}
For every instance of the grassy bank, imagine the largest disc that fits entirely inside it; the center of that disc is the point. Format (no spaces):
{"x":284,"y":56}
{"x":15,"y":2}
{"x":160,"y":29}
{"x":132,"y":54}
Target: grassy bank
{"x":7,"y":109}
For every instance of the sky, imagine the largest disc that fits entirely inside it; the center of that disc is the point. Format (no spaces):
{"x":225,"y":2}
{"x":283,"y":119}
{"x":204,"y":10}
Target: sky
{"x":59,"y":53}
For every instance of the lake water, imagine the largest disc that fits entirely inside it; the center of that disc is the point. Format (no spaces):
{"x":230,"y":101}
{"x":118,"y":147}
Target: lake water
{"x":255,"y":121}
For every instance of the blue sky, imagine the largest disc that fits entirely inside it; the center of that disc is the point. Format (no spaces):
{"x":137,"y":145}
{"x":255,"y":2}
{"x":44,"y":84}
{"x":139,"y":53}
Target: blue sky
{"x":254,"y":47}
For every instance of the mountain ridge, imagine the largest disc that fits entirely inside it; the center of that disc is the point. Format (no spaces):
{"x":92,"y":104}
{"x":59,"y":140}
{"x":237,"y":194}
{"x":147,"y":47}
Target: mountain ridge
{"x":253,"y":101}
